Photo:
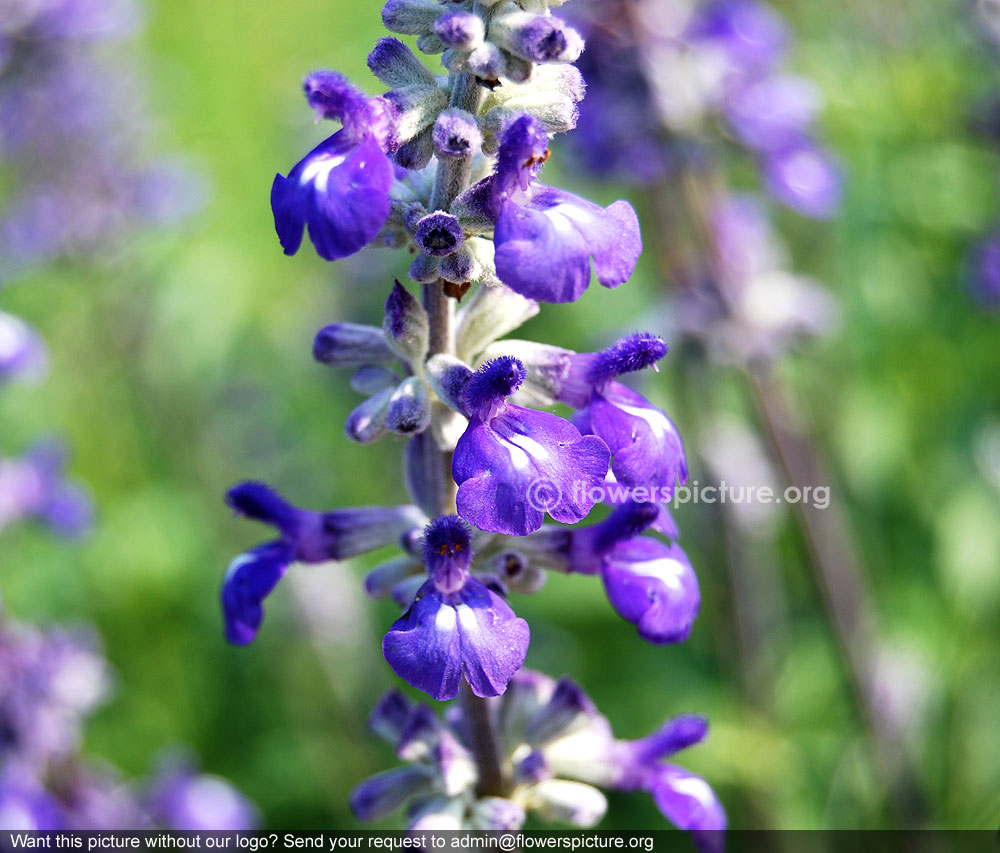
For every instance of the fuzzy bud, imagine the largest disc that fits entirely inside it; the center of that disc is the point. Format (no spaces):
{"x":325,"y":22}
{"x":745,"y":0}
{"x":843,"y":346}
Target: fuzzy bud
{"x":536,"y":38}
{"x":405,"y":325}
{"x":410,"y":408}
{"x":461,"y":30}
{"x":415,"y":154}
{"x":410,"y":17}
{"x":367,"y":422}
{"x":351,"y":345}
{"x":396,"y":65}
{"x":448,"y":377}
{"x":456,"y":134}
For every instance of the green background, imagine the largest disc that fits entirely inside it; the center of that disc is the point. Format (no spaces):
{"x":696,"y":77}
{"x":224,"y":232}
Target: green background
{"x":181,"y":364}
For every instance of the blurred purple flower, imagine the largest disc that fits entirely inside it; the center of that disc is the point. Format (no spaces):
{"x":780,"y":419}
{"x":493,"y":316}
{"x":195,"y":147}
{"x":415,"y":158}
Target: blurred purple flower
{"x":33,"y":487}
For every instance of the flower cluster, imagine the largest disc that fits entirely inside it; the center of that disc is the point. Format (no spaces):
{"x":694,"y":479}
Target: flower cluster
{"x":50,"y":681}
{"x":558,"y":751}
{"x":448,"y":167}
{"x":667,"y":78}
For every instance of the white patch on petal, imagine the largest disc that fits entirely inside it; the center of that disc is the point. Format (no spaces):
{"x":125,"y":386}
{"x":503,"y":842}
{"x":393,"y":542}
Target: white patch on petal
{"x":240,"y":562}
{"x":519,"y":459}
{"x":698,"y":789}
{"x":657,"y":421}
{"x":666,"y":570}
{"x":445,"y":620}
{"x":529,"y":448}
{"x":318,"y":171}
{"x":467,"y":619}
{"x":566,"y":217}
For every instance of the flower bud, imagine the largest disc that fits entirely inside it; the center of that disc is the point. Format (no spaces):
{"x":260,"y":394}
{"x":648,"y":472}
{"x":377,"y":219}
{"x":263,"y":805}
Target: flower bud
{"x":416,"y":105}
{"x":410,"y":17}
{"x":351,"y":345}
{"x":389,"y":716}
{"x":448,"y":377}
{"x":396,"y":65}
{"x":496,"y":813}
{"x":571,"y":802}
{"x":384,"y":793}
{"x":409,"y":408}
{"x":461,"y":266}
{"x":455,"y":764}
{"x":430,"y":43}
{"x":487,"y":61}
{"x":416,"y":153}
{"x":459,"y":29}
{"x":367,"y":422}
{"x":424,"y":268}
{"x":536,"y":38}
{"x":405,"y":325}
{"x":456,"y":134}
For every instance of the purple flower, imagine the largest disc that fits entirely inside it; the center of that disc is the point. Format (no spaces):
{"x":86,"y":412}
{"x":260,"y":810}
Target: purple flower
{"x":804,"y":177}
{"x":34,"y":486}
{"x":514,"y":464}
{"x":647,"y":451}
{"x":456,"y":624}
{"x":652,"y":585}
{"x":340,"y":189}
{"x":545,"y":238}
{"x":182,"y":799}
{"x":306,"y":537}
{"x":684,"y":799}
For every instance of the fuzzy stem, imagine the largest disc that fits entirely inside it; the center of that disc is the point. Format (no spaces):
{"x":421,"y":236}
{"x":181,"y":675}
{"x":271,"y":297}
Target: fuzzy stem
{"x":451,"y":179}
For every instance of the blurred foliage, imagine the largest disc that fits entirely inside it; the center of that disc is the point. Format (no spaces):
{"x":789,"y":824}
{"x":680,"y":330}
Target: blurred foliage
{"x":181,"y":364}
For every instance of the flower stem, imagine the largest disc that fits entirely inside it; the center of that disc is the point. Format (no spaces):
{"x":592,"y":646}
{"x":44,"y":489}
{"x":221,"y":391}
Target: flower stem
{"x":451,"y":179}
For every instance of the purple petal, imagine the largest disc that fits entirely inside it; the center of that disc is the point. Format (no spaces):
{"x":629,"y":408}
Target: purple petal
{"x":544,"y":248}
{"x":647,"y":449}
{"x":654,"y":586}
{"x":521,"y":464}
{"x":340,"y":190}
{"x":440,"y":635}
{"x":248,"y":581}
{"x":689,"y":803}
